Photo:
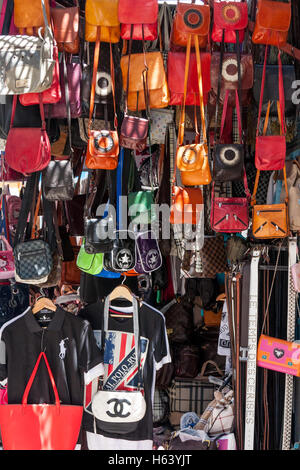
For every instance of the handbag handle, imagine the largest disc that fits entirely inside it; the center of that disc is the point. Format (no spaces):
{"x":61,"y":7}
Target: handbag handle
{"x":238,"y":112}
{"x":204,"y":367}
{"x":95,"y":68}
{"x":32,"y":377}
{"x":253,"y":200}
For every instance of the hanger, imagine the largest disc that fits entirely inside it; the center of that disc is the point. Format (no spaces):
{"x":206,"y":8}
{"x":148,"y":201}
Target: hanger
{"x":122,"y":292}
{"x":43,"y":302}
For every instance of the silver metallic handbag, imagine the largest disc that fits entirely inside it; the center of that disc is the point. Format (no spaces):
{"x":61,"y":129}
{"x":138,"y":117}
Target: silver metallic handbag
{"x":26,"y":62}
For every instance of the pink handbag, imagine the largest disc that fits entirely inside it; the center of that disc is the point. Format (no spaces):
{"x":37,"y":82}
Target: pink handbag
{"x":7,"y":265}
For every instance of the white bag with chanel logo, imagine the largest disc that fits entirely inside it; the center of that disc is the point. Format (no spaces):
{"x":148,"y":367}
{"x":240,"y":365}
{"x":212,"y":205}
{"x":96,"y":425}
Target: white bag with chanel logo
{"x":120,"y":411}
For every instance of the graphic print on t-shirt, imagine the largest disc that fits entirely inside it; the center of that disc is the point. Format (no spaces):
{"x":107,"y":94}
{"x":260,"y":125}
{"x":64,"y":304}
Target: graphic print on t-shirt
{"x":121,"y":371}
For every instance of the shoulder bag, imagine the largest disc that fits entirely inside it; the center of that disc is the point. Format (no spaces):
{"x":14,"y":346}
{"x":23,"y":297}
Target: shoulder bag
{"x":29,"y":15}
{"x":272,"y":23}
{"x":91,"y":263}
{"x":101,"y":16}
{"x":122,"y":257}
{"x":230,"y":17}
{"x":143,"y":17}
{"x":149,"y":257}
{"x":133,"y":401}
{"x":191,"y":19}
{"x":66,"y":28}
{"x":27,"y":61}
{"x":7,"y":265}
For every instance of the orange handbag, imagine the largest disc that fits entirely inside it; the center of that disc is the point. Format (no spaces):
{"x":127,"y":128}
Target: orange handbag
{"x":190,"y":19}
{"x":269,"y":220}
{"x":66,"y":28}
{"x":187,"y":205}
{"x":192,"y":160}
{"x":102,"y":14}
{"x":103,"y":145}
{"x":28,"y":15}
{"x":272,"y":23}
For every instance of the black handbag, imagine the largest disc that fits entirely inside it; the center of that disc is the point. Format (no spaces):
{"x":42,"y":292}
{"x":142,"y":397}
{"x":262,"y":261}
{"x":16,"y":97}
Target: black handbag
{"x":58,"y":181}
{"x":14,"y":299}
{"x":123,"y":256}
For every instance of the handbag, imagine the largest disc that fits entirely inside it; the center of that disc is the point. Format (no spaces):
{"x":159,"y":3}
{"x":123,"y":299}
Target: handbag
{"x":7,"y":265}
{"x":279,"y":355}
{"x":14,"y":299}
{"x":27,"y":61}
{"x":52,"y":94}
{"x":70,"y":273}
{"x":103,"y":402}
{"x":122,"y":258}
{"x":218,"y":418}
{"x":7,"y":173}
{"x":140,"y":207}
{"x":190,"y":19}
{"x":149,"y":257}
{"x":27,"y":148}
{"x":52,"y":427}
{"x":58,"y":180}
{"x":29,"y":15}
{"x":272,"y":23}
{"x":192,"y":160}
{"x":270,"y":150}
{"x":143,"y":17}
{"x":187,"y":204}
{"x":230,"y":17}
{"x":209,"y":260}
{"x":102,"y":15}
{"x":134,"y":133}
{"x":89,"y":263}
{"x":159,"y":119}
{"x":269,"y":220}
{"x":103,"y":145}
{"x":66,"y":28}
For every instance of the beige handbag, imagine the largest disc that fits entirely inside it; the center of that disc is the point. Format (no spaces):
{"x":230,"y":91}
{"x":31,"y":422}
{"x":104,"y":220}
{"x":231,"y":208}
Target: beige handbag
{"x":293,"y":183}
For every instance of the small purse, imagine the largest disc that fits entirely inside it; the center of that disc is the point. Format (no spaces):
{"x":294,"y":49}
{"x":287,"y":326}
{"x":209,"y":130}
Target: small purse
{"x":272,"y":23}
{"x":91,"y":263}
{"x":190,"y":19}
{"x":29,"y":15}
{"x":187,"y":204}
{"x":279,"y":355}
{"x":66,"y":28}
{"x":149,"y":257}
{"x":229,"y":17}
{"x":101,"y":17}
{"x":143,"y":18}
{"x":134,"y":133}
{"x":58,"y":180}
{"x":7,"y":265}
{"x":122,"y":257}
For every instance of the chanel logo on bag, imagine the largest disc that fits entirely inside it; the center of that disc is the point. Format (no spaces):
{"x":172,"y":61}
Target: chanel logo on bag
{"x":193,"y":18}
{"x":118,"y":408}
{"x":104,"y":142}
{"x":231,"y":13}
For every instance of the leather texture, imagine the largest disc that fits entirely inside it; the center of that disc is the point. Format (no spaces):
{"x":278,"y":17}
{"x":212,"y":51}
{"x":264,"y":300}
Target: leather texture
{"x":103,"y":150}
{"x":190,"y":19}
{"x":228,"y":162}
{"x":96,"y":233}
{"x":103,"y":14}
{"x":149,"y":33}
{"x":149,"y":257}
{"x":229,"y":74}
{"x":270,"y":221}
{"x":229,"y":215}
{"x":197,"y":172}
{"x":134,"y":133}
{"x":123,"y":257}
{"x":58,"y":181}
{"x":66,"y":28}
{"x":230,"y":17}
{"x":28,"y":14}
{"x":272,"y":23}
{"x":186,"y":205}
{"x":270,"y":152}
{"x":89,"y":263}
{"x":144,"y":11}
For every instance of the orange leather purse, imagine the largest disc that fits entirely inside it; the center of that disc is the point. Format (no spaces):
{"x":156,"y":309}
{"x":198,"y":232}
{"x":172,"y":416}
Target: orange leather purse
{"x":102,"y":14}
{"x":191,"y":19}
{"x":269,"y":220}
{"x":187,"y":204}
{"x":192,"y":160}
{"x":66,"y":28}
{"x":272,"y":23}
{"x":103,"y":145}
{"x":28,"y":15}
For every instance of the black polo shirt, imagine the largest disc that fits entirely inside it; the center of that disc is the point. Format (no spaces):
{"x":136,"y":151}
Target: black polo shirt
{"x":71,"y":350}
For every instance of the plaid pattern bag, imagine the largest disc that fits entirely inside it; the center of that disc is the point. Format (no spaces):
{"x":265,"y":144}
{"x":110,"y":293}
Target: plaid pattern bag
{"x":219,"y":415}
{"x":160,"y":406}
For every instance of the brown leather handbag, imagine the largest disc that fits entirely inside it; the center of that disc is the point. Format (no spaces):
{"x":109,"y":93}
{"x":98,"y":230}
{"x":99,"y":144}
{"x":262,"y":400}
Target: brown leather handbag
{"x":102,"y":14}
{"x":192,"y":160}
{"x":28,"y":15}
{"x":190,"y":19}
{"x":270,"y":220}
{"x":229,"y":72}
{"x":103,"y":145}
{"x":272,"y":23}
{"x":66,"y":28}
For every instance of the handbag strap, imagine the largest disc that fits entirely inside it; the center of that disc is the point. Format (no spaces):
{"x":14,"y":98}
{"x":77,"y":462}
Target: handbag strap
{"x":32,"y":377}
{"x":36,"y":213}
{"x":30,"y":190}
{"x":68,"y":105}
{"x":238,"y":112}
{"x":95,"y":69}
{"x":253,"y":199}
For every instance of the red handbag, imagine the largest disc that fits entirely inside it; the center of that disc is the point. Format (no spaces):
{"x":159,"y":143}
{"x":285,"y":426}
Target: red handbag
{"x":143,"y":15}
{"x":27,"y":148}
{"x":230,"y":17}
{"x":270,"y":150}
{"x":230,"y":214}
{"x":176,"y":68}
{"x":41,"y":426}
{"x":52,"y":94}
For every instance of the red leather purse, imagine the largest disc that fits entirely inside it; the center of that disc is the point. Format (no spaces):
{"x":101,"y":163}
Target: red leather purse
{"x":143,"y":15}
{"x":190,"y":19}
{"x":27,"y":148}
{"x":230,"y":17}
{"x":51,"y":95}
{"x":270,"y":150}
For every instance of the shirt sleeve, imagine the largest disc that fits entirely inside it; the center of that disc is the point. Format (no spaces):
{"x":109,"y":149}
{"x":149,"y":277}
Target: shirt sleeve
{"x":161,"y":343}
{"x":91,"y":357}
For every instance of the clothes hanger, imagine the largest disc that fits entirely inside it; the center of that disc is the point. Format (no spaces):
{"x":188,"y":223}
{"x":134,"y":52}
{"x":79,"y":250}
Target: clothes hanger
{"x":43,"y":303}
{"x":122,"y":291}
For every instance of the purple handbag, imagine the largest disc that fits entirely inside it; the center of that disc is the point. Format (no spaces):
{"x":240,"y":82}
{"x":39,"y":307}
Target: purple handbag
{"x":59,"y":110}
{"x":149,"y":257}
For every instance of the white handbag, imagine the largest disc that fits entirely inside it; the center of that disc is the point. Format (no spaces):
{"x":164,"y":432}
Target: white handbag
{"x":26,"y":62}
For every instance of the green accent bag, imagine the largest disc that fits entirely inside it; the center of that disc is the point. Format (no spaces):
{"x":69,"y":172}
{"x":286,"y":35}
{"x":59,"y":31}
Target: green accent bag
{"x":139,"y":207}
{"x":89,"y":263}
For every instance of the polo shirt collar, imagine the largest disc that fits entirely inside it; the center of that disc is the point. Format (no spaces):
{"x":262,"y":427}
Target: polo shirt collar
{"x":55,"y":324}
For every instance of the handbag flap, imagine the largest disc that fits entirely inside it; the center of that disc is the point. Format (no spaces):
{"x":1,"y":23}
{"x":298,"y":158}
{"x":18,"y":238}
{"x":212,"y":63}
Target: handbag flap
{"x":231,"y":15}
{"x":176,"y":66}
{"x":191,"y":157}
{"x":102,"y":143}
{"x":20,"y":145}
{"x":57,"y":174}
{"x":144,"y":11}
{"x":229,"y":71}
{"x":135,"y":127}
{"x":193,"y":19}
{"x":30,"y":13}
{"x":273,"y":15}
{"x":102,"y":12}
{"x":156,"y":73}
{"x":85,"y":260}
{"x":186,"y":200}
{"x":65,"y":23}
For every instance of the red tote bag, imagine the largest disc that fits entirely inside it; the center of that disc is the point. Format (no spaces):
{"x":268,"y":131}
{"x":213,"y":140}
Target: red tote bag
{"x":42,"y":426}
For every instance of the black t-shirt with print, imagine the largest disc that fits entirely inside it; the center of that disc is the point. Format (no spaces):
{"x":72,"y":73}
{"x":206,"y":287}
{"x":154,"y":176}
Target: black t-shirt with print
{"x":71,"y":350}
{"x":120,"y":370}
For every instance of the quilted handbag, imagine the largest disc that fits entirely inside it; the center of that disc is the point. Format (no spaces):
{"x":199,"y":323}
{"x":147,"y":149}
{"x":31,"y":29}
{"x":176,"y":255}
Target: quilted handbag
{"x":230,"y":17}
{"x":190,"y":19}
{"x":66,"y":28}
{"x":58,"y":181}
{"x":122,"y":257}
{"x":27,"y":61}
{"x":29,"y":15}
{"x":27,"y":148}
{"x":143,"y":17}
{"x":102,"y":15}
{"x":149,"y":257}
{"x":52,"y":94}
{"x":14,"y":299}
{"x":269,"y":220}
{"x":7,"y":265}
{"x":270,"y":150}
{"x":272,"y":23}
{"x":52,"y":427}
